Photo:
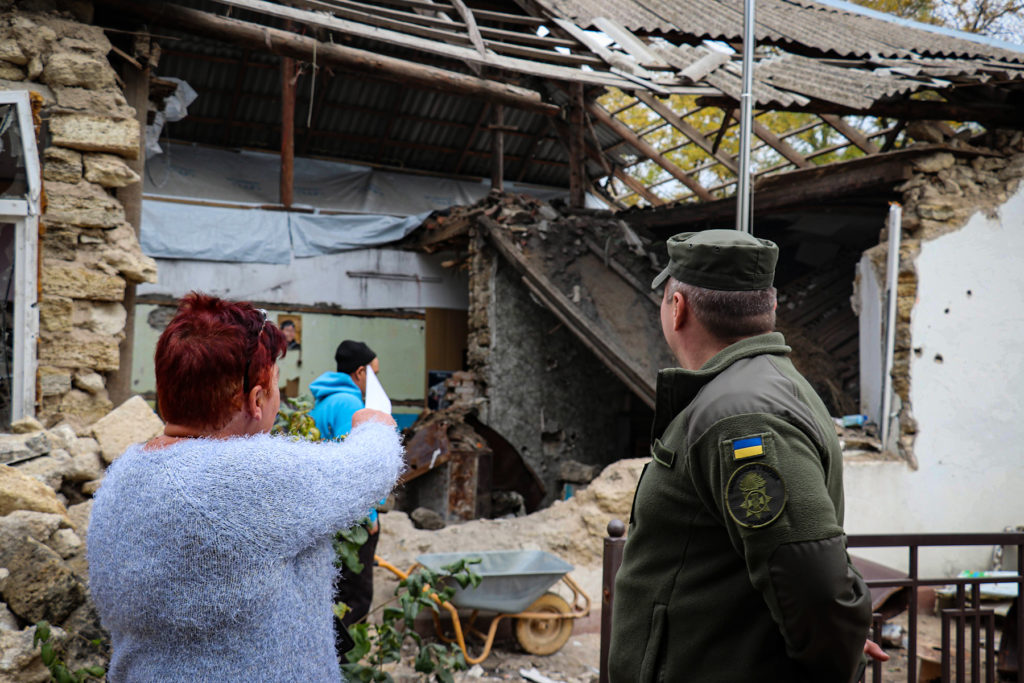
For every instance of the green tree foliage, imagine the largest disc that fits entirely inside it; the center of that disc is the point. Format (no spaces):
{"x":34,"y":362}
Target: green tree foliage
{"x":1003,"y":19}
{"x":811,"y":136}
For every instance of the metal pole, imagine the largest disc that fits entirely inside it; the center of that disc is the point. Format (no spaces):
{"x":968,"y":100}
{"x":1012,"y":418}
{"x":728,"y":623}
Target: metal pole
{"x":613,"y":545}
{"x":743,"y":189}
{"x":892,"y":269}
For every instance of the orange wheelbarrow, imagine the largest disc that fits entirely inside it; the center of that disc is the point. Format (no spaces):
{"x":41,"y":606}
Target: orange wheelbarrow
{"x":514,"y":584}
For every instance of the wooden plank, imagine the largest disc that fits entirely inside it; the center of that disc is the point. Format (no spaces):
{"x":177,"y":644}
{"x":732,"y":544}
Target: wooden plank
{"x":779,"y":145}
{"x":629,"y":43}
{"x":378,"y":66}
{"x":614,"y":358}
{"x":414,"y":42}
{"x":288,"y":76}
{"x":698,"y":138}
{"x":638,"y":187}
{"x":498,"y":149}
{"x":850,"y":133}
{"x":623,"y":131}
{"x":577,"y":154}
{"x":471,"y":27}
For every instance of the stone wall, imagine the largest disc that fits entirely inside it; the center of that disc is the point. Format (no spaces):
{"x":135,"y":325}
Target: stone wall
{"x":946,"y":190}
{"x":88,"y":250}
{"x":545,"y":392}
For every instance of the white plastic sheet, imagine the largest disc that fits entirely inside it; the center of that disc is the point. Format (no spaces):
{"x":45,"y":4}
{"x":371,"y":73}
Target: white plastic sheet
{"x":210,"y":233}
{"x":376,"y":397}
{"x":314,"y":234}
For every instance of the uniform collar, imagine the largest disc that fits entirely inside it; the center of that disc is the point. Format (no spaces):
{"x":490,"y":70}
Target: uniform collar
{"x":678,"y":387}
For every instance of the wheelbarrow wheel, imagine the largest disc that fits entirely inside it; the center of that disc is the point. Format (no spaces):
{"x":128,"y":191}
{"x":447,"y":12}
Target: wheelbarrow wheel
{"x":544,"y":636}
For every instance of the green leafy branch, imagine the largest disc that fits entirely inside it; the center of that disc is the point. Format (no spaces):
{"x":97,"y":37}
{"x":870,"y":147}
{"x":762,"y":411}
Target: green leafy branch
{"x":59,"y":671}
{"x":379,"y":644}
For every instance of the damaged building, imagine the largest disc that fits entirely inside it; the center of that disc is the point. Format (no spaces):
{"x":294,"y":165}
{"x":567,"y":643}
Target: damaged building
{"x":482,"y":190}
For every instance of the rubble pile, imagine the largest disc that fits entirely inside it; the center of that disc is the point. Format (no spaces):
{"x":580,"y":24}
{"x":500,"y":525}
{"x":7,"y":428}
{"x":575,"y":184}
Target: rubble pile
{"x":89,"y":252}
{"x":47,"y":480}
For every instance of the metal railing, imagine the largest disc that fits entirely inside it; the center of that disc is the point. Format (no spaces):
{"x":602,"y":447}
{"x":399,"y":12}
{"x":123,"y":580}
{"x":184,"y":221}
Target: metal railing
{"x":966,"y":611}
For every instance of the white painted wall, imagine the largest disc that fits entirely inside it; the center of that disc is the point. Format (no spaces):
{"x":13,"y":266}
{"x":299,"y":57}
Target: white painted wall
{"x":969,"y":406}
{"x":322,"y":280}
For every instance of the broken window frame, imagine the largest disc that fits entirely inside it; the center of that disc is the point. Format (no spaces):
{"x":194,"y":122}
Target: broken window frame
{"x":23,"y":213}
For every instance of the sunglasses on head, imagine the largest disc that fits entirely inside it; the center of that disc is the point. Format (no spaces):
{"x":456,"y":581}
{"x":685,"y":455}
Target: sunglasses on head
{"x":248,"y":360}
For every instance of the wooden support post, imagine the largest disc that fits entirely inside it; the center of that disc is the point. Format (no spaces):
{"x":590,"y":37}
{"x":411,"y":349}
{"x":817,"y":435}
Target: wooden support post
{"x":498,"y":149}
{"x":287,"y":131}
{"x":136,"y":92}
{"x":577,"y":152}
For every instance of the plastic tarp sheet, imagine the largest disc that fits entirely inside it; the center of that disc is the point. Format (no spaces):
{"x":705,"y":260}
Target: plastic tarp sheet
{"x":378,"y":207}
{"x":210,"y":233}
{"x":313,"y":234}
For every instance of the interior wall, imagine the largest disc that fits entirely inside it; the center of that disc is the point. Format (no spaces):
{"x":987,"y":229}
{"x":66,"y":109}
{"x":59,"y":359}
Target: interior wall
{"x":398,"y":342}
{"x":548,"y":394}
{"x":966,"y":377}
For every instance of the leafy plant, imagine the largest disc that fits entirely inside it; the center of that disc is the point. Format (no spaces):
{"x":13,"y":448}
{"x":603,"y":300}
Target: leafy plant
{"x":59,"y":671}
{"x":293,"y":419}
{"x":380,"y":644}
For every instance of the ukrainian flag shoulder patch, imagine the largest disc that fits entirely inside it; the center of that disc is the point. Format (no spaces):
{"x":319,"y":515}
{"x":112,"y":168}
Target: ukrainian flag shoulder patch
{"x":748,"y":447}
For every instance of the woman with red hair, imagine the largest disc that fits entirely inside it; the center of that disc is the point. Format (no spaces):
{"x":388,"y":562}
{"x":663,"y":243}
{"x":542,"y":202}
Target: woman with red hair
{"x":210,"y":554}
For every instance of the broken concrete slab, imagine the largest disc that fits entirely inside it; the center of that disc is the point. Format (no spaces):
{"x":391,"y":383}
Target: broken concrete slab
{"x":132,"y":422}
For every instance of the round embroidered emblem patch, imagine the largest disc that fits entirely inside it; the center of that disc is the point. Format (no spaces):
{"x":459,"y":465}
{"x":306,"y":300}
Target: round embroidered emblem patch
{"x":756,"y":494}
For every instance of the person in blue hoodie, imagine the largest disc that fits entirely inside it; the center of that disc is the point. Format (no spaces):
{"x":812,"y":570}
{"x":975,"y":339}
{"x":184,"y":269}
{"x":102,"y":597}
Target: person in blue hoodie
{"x":338,"y":396}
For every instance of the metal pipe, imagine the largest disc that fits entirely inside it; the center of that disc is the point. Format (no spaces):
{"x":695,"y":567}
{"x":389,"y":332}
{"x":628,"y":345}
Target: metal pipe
{"x":743,"y":189}
{"x":892,"y":283}
{"x":614,"y":542}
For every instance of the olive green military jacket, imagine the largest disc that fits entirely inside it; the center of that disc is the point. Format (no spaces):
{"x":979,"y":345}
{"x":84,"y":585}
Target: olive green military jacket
{"x":735,"y":569}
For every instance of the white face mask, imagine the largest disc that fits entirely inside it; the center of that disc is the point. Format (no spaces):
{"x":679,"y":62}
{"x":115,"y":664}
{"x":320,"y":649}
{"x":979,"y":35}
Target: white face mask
{"x":376,"y":398}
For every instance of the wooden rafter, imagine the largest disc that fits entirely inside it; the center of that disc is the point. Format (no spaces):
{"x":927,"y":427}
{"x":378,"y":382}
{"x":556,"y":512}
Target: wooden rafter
{"x":287,"y":44}
{"x":765,"y":134}
{"x":694,"y":135}
{"x":850,"y":133}
{"x":645,"y":148}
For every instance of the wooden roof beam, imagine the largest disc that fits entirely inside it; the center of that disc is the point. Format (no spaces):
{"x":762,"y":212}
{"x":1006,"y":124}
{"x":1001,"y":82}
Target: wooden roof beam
{"x":850,"y":133}
{"x":285,"y":43}
{"x":698,"y":138}
{"x":645,"y":148}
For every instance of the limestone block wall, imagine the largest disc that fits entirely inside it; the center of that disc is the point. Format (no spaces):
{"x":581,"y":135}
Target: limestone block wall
{"x":88,"y":250}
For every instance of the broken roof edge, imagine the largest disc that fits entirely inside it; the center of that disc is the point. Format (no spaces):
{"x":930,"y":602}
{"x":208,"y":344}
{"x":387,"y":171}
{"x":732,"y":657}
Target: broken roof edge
{"x":795,"y":186}
{"x":854,"y":8}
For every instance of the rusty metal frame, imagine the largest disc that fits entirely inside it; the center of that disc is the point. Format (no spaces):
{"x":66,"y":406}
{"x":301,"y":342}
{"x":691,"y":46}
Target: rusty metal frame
{"x":963,"y":613}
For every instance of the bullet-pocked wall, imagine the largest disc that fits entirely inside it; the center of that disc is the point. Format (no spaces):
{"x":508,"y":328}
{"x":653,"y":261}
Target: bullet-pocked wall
{"x":958,"y":372}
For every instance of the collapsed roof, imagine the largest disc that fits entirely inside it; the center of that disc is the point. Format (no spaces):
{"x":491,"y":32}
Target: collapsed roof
{"x":436,"y":86}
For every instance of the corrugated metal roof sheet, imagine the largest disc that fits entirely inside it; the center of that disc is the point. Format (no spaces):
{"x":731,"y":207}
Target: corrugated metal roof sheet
{"x":806,"y":24}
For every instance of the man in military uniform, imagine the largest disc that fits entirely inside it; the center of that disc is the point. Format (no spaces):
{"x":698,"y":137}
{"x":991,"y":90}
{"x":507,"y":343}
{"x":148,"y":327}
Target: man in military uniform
{"x":735,"y":569}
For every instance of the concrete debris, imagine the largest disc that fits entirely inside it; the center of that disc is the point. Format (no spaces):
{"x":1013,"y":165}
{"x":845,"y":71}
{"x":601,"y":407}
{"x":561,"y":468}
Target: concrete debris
{"x":20,"y":660}
{"x":132,"y":422}
{"x":19,"y":491}
{"x":26,"y":425}
{"x":536,"y":676}
{"x":425,"y":518}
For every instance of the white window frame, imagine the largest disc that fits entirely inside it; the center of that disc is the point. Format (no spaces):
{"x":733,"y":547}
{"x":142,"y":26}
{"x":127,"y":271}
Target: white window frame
{"x":24,"y":214}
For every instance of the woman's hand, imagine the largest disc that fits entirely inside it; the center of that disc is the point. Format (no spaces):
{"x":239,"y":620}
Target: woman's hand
{"x":371,"y":415}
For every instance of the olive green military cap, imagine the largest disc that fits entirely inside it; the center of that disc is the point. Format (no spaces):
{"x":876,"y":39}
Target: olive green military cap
{"x":729,"y":260}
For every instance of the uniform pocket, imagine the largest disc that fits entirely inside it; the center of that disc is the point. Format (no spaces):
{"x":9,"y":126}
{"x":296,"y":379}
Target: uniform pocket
{"x":661,"y":454}
{"x":654,"y":652}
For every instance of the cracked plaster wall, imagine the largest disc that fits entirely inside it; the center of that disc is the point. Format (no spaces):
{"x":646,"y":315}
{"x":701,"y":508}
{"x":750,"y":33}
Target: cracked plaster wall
{"x":959,"y":369}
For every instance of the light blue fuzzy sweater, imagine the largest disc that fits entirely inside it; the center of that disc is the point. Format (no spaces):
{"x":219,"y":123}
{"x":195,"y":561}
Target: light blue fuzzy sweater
{"x":211,"y":560}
